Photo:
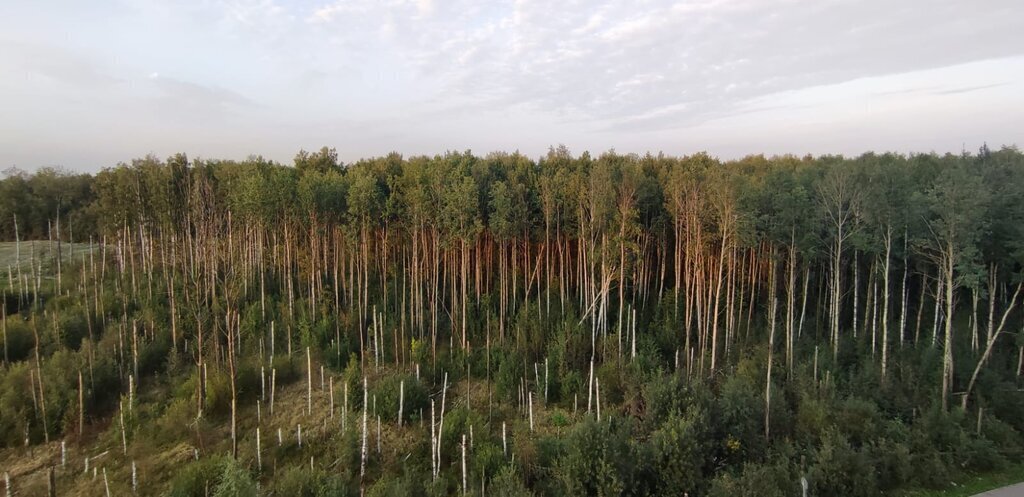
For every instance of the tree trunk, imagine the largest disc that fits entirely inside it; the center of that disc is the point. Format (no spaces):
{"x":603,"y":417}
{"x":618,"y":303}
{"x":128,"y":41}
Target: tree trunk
{"x":947,"y":353}
{"x":772,"y":309}
{"x":885,"y":303}
{"x":992,"y":336}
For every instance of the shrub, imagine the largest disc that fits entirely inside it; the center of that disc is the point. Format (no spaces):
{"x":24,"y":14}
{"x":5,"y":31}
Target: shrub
{"x":598,"y":458}
{"x":840,"y":470}
{"x":235,"y":481}
{"x":776,"y":478}
{"x":218,"y":394}
{"x":19,"y":339}
{"x":195,"y":478}
{"x":153,"y":355}
{"x":406,"y":483}
{"x":892,"y":462}
{"x":388,"y":391}
{"x":679,"y":449}
{"x":16,"y":414}
{"x":300,"y":481}
{"x":508,"y":484}
{"x":73,"y":328}
{"x":740,"y":417}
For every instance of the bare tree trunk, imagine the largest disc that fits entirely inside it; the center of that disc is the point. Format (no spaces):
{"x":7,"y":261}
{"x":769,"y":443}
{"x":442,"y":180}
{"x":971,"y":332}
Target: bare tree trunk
{"x":992,"y":336}
{"x":856,"y":290}
{"x":772,"y":310}
{"x":362,"y":458}
{"x":947,"y":353}
{"x":81,"y":405}
{"x":992,"y":292}
{"x":885,"y":304}
{"x":803,"y":304}
{"x":39,"y":376}
{"x":234,"y":395}
{"x":463,"y":464}
{"x":309,"y":382}
{"x":3,"y":323}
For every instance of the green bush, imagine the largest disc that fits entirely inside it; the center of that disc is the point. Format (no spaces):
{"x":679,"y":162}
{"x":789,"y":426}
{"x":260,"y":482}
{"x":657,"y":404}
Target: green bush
{"x":508,"y":484}
{"x":408,"y":482}
{"x":15,"y":417}
{"x":20,"y":340}
{"x":598,"y":459}
{"x":218,"y":394}
{"x":153,"y":355}
{"x":509,"y":370}
{"x":300,"y":481}
{"x":388,"y":390}
{"x":839,"y":469}
{"x":892,"y":462}
{"x":197,"y":478}
{"x":174,"y":423}
{"x":778,"y":477}
{"x":73,"y":327}
{"x":235,"y":481}
{"x":680,"y":448}
{"x":739,"y":418}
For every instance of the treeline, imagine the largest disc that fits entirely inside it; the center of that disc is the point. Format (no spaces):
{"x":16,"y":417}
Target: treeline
{"x":727,"y":315}
{"x":867,"y":244}
{"x":32,"y":204}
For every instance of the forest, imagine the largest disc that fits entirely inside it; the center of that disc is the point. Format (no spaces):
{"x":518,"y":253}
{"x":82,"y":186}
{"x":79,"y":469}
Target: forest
{"x":456,"y":324}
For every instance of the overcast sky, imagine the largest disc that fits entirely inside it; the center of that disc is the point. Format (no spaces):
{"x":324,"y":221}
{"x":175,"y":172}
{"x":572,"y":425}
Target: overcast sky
{"x":86,"y":84}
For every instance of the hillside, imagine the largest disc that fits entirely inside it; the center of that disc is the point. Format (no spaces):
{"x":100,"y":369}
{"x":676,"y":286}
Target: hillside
{"x":611,"y":325}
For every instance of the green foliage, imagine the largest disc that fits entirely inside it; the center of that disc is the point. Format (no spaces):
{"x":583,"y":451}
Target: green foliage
{"x":409,"y":481}
{"x":218,"y":394}
{"x":387,"y":392}
{"x":19,"y":339}
{"x":739,"y":417}
{"x":679,"y":448}
{"x":508,"y":484}
{"x":777,"y":477}
{"x":197,"y":478}
{"x":301,"y":481}
{"x":533,"y":255}
{"x":598,"y":459}
{"x":16,"y":415}
{"x":839,"y":469}
{"x":235,"y":481}
{"x":73,"y":328}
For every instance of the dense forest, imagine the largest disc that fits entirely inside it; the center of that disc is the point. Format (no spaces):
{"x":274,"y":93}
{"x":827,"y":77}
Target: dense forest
{"x":498,"y":325}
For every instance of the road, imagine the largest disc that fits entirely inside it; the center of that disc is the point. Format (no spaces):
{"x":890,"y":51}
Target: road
{"x":1010,"y":491}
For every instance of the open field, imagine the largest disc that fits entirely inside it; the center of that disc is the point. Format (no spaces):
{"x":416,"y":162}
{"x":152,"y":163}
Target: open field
{"x":34,"y":252}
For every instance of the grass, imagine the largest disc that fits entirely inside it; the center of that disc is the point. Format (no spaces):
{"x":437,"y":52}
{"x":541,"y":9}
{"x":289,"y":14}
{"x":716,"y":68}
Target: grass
{"x":35,"y":251}
{"x":969,"y":485}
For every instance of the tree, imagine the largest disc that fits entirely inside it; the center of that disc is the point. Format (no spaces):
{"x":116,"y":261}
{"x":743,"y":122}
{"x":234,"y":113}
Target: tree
{"x":323,"y":161}
{"x":680,"y":446}
{"x":839,"y":197}
{"x":888,"y":210}
{"x":956,"y":218}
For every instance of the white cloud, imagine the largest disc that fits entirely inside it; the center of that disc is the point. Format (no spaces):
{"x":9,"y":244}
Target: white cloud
{"x":590,"y":71}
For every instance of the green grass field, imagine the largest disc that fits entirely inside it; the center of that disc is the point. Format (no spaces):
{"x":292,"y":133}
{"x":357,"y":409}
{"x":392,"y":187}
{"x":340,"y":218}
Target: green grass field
{"x":35,"y":251}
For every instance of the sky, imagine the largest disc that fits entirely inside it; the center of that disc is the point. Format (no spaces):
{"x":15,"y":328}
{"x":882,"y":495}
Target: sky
{"x":85,"y":85}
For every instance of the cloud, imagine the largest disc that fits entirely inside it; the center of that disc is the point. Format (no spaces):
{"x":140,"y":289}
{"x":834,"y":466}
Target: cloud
{"x":621,"y":61}
{"x":524,"y":73}
{"x":968,"y":89}
{"x":64,"y":66}
{"x":187,"y":96}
